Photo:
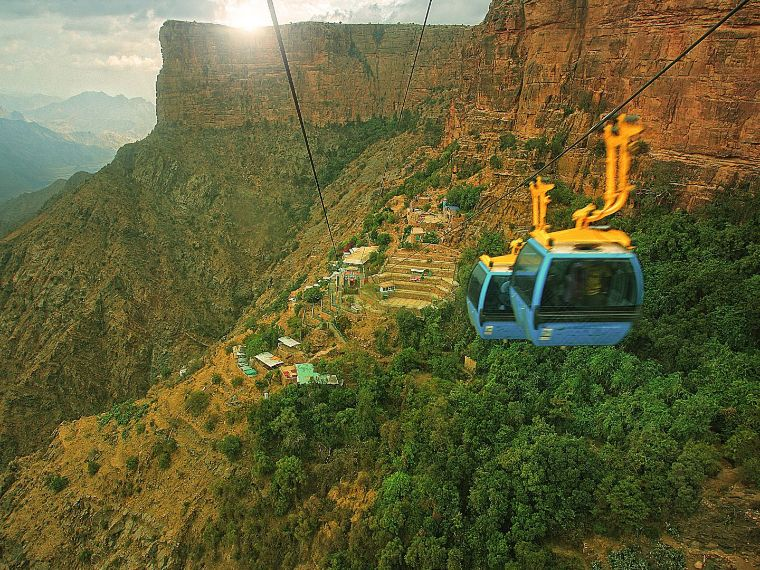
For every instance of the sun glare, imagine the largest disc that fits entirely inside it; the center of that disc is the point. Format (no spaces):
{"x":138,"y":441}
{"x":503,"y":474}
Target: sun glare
{"x":247,"y":15}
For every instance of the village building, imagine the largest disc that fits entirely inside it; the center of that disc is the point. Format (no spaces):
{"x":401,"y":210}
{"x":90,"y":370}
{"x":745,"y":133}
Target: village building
{"x":288,"y":344}
{"x":386,"y":289}
{"x":269,"y":360}
{"x":307,"y":375}
{"x":354,"y":272}
{"x":450,"y":211}
{"x":289,"y":373}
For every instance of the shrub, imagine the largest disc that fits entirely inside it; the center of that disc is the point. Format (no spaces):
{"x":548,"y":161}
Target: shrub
{"x":85,"y":556}
{"x":507,"y":141}
{"x":231,"y":446}
{"x":237,"y":381}
{"x":430,"y":237}
{"x":342,"y":322}
{"x":538,"y":144}
{"x":383,"y":239}
{"x":56,"y":483}
{"x":558,"y":143}
{"x":465,"y":196}
{"x":131,"y":463}
{"x":211,"y":422}
{"x":123,"y":413}
{"x":261,"y":465}
{"x":216,"y":378}
{"x":433,"y":132}
{"x":641,"y":148}
{"x":163,"y":449}
{"x":468,"y":169}
{"x":599,"y":149}
{"x":627,"y":559}
{"x":261,"y":384}
{"x":585,"y":101}
{"x":496,"y":162}
{"x":92,"y":467}
{"x":197,"y":402}
{"x":492,"y":243}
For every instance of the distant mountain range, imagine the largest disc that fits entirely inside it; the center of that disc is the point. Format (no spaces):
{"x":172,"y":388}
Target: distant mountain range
{"x":23,"y":102}
{"x":32,"y":156}
{"x":95,"y":118}
{"x":44,"y":138}
{"x":92,"y":118}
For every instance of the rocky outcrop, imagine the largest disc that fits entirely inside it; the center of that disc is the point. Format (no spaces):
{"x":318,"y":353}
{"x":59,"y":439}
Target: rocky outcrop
{"x":219,"y":76}
{"x":542,"y":67}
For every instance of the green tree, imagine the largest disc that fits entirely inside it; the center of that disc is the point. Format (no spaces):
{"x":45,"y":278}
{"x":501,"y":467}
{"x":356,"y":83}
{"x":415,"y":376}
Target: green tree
{"x":466,"y":196}
{"x":197,"y":402}
{"x":410,"y":328}
{"x":231,"y":446}
{"x":287,"y":479}
{"x":507,"y":141}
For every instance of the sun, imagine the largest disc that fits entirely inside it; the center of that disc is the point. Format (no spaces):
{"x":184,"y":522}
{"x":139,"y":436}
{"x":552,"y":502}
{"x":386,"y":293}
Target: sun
{"x":245,"y":14}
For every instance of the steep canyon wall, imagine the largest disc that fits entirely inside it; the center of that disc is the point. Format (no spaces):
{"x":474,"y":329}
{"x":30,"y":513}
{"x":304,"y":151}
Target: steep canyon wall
{"x":219,"y":76}
{"x":539,"y":67}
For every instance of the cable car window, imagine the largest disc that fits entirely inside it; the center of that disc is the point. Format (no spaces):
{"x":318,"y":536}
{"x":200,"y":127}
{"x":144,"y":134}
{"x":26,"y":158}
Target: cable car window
{"x":525,"y":270}
{"x":497,"y":305}
{"x":589,"y":284}
{"x":476,"y":284}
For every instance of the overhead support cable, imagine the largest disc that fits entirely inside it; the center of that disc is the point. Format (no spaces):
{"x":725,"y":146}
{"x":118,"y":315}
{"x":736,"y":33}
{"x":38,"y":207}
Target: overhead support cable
{"x":285,"y":63}
{"x":414,"y":62}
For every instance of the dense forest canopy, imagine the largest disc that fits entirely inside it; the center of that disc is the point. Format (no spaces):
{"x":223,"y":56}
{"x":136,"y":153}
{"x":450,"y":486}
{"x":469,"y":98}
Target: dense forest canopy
{"x":541,"y":446}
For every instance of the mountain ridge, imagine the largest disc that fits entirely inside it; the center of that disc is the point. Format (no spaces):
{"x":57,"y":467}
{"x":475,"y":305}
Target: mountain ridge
{"x":93,"y":117}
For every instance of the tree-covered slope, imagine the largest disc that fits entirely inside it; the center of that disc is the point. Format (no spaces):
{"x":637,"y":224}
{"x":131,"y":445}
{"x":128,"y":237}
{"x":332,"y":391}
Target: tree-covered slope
{"x":416,"y":465}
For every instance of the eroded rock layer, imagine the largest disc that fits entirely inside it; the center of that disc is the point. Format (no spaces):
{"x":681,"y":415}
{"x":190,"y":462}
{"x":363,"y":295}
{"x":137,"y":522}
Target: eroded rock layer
{"x":219,"y":76}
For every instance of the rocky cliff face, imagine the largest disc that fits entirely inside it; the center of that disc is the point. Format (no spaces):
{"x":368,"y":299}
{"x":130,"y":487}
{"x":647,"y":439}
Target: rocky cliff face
{"x":219,"y":76}
{"x":541,"y":67}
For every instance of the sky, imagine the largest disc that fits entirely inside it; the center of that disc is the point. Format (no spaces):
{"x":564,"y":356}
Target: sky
{"x":64,"y":47}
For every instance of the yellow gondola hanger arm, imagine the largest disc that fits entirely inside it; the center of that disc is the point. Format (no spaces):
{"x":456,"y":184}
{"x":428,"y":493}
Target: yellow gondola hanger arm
{"x":617,"y":140}
{"x":539,"y":191}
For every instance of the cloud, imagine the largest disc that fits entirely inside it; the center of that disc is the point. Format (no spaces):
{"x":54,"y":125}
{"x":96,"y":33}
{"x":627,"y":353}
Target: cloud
{"x":127,"y":61}
{"x":63,"y":47}
{"x":353,"y":11}
{"x":93,"y":8}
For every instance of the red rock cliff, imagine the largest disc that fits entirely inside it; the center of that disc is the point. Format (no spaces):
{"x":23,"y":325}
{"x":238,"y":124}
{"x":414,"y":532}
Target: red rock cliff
{"x":218,"y":76}
{"x":542,"y":66}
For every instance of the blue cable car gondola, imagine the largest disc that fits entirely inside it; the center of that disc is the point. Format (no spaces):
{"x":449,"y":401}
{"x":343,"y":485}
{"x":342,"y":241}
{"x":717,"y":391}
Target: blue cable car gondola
{"x":489,"y":305}
{"x":575,"y":293}
{"x":582,"y":286}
